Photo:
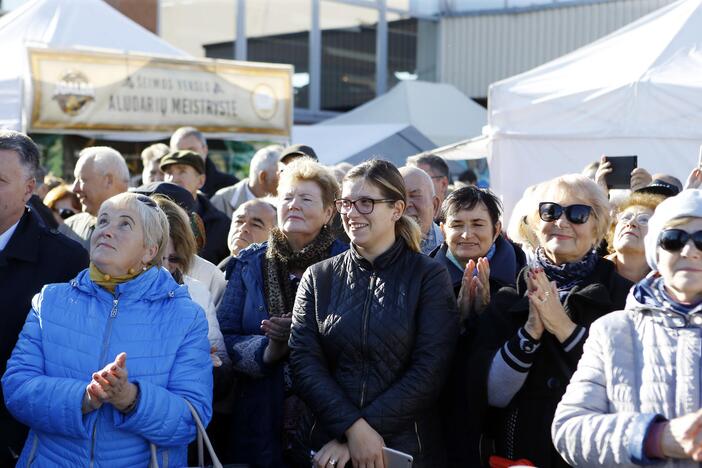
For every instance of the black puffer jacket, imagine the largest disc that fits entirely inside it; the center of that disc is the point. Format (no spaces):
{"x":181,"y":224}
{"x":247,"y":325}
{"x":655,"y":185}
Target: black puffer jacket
{"x":375,"y":342}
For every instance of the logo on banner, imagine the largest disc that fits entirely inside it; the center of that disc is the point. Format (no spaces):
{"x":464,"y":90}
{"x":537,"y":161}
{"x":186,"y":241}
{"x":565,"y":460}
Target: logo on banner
{"x":73,"y":92}
{"x":264,"y":101}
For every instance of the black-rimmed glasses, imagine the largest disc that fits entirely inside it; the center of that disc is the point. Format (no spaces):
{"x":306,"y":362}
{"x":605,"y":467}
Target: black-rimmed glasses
{"x":364,"y":205}
{"x":673,"y":240}
{"x":576,"y":214}
{"x":66,"y":213}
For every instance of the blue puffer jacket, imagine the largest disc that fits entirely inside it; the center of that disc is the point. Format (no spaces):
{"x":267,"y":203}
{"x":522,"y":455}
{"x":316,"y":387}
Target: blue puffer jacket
{"x":256,"y":434}
{"x":77,"y":328}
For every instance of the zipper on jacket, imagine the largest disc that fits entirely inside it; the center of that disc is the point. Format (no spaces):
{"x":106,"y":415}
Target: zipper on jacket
{"x":32,"y":454}
{"x":419,"y":439}
{"x":103,"y":356}
{"x":364,"y":338}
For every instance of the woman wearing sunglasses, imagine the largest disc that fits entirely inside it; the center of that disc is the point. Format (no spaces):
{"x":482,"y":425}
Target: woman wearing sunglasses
{"x":529,"y":340}
{"x":62,"y":202}
{"x":626,"y":235}
{"x":373,"y":332}
{"x":635,"y":398}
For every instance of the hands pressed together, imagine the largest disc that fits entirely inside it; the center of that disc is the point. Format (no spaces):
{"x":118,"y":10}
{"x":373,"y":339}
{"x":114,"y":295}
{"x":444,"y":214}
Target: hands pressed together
{"x":474,"y":295}
{"x":111,"y":385}
{"x":545,"y":309}
{"x":277,"y":329}
{"x":364,"y":449}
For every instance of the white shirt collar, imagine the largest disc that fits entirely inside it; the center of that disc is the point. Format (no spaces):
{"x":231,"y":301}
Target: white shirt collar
{"x":5,"y":236}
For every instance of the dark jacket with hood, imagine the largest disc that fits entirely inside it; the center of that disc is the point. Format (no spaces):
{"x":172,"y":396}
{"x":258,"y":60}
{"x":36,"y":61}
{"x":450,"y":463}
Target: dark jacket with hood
{"x":374,"y":341}
{"x":522,"y":429}
{"x":216,"y":230}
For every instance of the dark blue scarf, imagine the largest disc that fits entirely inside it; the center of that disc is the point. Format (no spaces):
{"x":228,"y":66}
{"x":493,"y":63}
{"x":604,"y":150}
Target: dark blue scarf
{"x":651,"y":291}
{"x":568,"y":275}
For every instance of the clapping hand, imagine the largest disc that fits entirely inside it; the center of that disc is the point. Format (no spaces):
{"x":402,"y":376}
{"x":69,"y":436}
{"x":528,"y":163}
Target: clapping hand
{"x":110,"y":385}
{"x":474,"y":295}
{"x":694,"y":180}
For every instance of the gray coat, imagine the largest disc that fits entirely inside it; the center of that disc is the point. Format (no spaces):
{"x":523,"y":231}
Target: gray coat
{"x":639,"y":364}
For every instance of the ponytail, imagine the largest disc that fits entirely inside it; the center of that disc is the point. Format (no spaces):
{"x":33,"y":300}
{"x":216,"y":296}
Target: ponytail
{"x":408,"y":229}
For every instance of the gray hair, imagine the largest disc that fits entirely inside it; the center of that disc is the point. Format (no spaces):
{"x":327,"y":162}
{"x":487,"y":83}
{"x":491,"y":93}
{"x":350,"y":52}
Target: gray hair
{"x":107,"y":161}
{"x":265,"y":160}
{"x":407,"y":170}
{"x":435,"y":162}
{"x":25,"y":148}
{"x":154,"y":152}
{"x":183,"y":132}
{"x":153,"y":220}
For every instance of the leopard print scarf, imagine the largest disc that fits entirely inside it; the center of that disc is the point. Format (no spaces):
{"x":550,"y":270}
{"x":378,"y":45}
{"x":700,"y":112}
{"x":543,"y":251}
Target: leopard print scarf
{"x":281,"y":260}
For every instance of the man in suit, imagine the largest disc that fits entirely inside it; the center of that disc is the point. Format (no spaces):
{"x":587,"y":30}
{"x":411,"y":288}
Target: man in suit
{"x":31,"y":255}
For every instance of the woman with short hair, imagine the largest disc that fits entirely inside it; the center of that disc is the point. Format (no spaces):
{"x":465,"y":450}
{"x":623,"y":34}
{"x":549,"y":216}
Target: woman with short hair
{"x":255,"y":313}
{"x":527,"y":343}
{"x":626,"y":235}
{"x":373,"y":333}
{"x":107,"y":365}
{"x":635,"y":397}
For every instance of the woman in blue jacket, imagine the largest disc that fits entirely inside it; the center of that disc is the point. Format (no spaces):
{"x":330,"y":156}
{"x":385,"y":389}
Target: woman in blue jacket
{"x":106,"y":365}
{"x":255,"y":315}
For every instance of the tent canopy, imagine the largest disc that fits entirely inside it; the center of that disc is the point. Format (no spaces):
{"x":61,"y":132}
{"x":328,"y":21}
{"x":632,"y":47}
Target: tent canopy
{"x":357,"y":143}
{"x":636,"y":91}
{"x":58,"y":24}
{"x":439,"y":111}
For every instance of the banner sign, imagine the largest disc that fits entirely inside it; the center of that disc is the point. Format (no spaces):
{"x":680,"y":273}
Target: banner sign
{"x":115,"y":92}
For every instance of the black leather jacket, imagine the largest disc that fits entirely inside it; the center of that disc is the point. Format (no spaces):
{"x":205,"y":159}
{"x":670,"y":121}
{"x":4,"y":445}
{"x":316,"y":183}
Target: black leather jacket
{"x":374,"y":341}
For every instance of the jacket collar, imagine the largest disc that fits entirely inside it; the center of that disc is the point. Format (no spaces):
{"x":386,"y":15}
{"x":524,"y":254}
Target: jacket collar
{"x":154,"y":284}
{"x":24,"y":243}
{"x":384,"y":260}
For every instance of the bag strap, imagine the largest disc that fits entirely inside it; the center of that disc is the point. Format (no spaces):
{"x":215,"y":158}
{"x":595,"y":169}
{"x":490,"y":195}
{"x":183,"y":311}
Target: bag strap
{"x":201,"y":437}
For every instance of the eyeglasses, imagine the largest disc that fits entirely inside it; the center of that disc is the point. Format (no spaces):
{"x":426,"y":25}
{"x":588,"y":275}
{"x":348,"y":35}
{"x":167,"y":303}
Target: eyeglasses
{"x":576,"y":214}
{"x":66,"y":213}
{"x":673,"y":240}
{"x":364,"y":205}
{"x":629,"y":216}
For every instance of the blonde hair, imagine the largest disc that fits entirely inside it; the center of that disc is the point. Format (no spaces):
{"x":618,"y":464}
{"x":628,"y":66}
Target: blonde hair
{"x":59,"y":193}
{"x":646,"y":200}
{"x":387,"y":178}
{"x":307,"y":169}
{"x":180,"y":232}
{"x":154,"y":152}
{"x":579,"y":188}
{"x":152,"y":218}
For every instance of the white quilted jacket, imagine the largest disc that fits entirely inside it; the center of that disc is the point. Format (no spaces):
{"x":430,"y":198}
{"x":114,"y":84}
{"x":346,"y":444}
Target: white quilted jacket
{"x":637,"y":363}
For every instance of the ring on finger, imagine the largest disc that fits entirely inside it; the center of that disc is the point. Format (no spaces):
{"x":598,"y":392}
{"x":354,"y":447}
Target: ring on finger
{"x":332,"y":462}
{"x":547,"y":294}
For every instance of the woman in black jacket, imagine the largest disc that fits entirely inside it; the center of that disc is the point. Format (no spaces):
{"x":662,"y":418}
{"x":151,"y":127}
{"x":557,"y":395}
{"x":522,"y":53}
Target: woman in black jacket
{"x":373,"y":332}
{"x":527,"y":344}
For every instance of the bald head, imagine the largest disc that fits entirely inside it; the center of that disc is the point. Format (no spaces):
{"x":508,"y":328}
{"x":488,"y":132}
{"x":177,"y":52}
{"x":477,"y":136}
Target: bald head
{"x":422,"y":202}
{"x":251,"y":223}
{"x":101,"y":172}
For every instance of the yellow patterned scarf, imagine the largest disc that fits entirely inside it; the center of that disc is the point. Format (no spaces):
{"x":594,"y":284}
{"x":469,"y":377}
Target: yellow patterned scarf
{"x":109,"y":282}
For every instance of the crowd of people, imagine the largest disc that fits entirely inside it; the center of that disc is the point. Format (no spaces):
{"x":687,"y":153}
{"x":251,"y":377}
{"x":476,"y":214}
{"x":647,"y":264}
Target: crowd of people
{"x":313,"y":315}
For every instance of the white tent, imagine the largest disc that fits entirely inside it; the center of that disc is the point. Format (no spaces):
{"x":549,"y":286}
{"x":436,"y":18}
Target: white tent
{"x":60,"y":24}
{"x":636,"y":91}
{"x":439,"y":111}
{"x":356,"y":143}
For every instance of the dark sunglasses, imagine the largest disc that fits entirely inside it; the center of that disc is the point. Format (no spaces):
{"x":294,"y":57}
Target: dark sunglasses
{"x":576,"y":214}
{"x":673,"y":240}
{"x":66,"y":213}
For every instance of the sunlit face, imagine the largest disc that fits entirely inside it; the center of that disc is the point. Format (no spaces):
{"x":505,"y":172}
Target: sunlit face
{"x":192,"y":143}
{"x":682,"y":271}
{"x":117,"y":244}
{"x":16,"y":186}
{"x":631,"y":228}
{"x":301,"y":209}
{"x":420,"y":200}
{"x":563,"y":241}
{"x":251,"y":223}
{"x":469,"y":234}
{"x":186,"y":176}
{"x":151,"y":172}
{"x":373,"y":229}
{"x":91,"y":187}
